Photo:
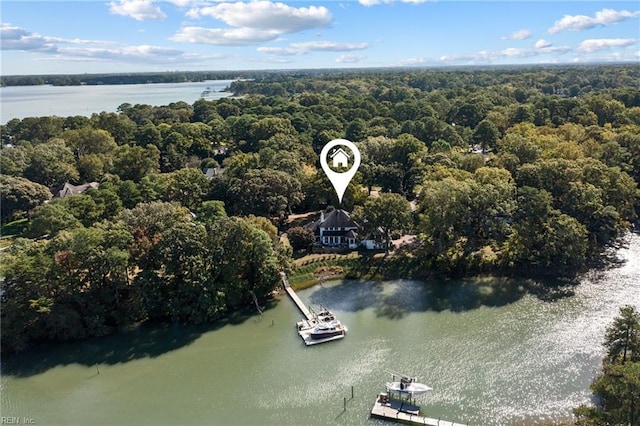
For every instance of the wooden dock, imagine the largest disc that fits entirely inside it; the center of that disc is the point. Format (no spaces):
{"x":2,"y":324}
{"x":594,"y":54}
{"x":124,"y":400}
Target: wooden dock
{"x":402,"y":412}
{"x":292,"y":294}
{"x":306,"y":326}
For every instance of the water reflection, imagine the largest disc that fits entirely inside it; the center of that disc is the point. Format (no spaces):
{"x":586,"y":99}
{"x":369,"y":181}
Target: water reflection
{"x":407,"y":296}
{"x":497,"y":351}
{"x":148,"y":340}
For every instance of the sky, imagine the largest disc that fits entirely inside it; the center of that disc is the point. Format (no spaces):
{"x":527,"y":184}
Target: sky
{"x":88,"y":36}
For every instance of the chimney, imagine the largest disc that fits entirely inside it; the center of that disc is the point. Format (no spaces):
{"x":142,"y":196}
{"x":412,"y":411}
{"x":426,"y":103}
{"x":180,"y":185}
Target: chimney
{"x":322,"y":216}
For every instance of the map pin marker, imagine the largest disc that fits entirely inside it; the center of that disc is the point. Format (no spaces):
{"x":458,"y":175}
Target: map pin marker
{"x":340,"y":181}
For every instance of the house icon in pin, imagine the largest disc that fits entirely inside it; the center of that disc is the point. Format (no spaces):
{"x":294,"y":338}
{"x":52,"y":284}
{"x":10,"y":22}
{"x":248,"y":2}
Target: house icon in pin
{"x":340,"y":158}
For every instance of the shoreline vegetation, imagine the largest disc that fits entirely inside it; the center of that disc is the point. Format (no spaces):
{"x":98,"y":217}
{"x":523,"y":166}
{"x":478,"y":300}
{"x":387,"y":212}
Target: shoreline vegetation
{"x":507,"y":171}
{"x":201,"y":76}
{"x":113,"y":79}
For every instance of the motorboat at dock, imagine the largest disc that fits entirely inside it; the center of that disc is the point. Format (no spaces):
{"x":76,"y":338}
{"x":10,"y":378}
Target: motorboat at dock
{"x":406,"y":385}
{"x":328,"y":329}
{"x":322,"y":326}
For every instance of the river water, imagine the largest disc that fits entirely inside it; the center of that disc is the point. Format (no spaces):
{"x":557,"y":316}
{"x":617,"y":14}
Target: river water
{"x":496,"y":352}
{"x":63,"y":101}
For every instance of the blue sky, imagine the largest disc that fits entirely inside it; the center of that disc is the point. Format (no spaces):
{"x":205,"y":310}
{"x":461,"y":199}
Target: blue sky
{"x":40,"y":37}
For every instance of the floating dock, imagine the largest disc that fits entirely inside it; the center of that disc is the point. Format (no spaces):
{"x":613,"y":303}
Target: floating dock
{"x":306,"y":326}
{"x":404,"y":412}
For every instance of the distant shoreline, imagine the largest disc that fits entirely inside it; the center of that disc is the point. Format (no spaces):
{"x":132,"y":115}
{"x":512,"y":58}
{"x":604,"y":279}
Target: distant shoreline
{"x":116,"y":79}
{"x":201,"y":76}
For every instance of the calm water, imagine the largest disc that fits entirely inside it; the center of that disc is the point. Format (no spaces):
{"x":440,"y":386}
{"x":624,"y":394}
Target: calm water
{"x":35,"y":101}
{"x":491,"y":359}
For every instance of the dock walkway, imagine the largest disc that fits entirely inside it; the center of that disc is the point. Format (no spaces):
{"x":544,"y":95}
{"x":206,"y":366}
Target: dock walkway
{"x":292,"y":294}
{"x":403,"y":413}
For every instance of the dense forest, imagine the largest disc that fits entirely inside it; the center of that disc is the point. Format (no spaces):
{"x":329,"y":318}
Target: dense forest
{"x":511,"y":171}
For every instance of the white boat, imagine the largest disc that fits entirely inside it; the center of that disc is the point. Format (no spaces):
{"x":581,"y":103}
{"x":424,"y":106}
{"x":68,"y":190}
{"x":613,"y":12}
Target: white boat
{"x":320,"y":327}
{"x":408,"y":386}
{"x":206,"y":93}
{"x":325,"y":315}
{"x":326,"y":329}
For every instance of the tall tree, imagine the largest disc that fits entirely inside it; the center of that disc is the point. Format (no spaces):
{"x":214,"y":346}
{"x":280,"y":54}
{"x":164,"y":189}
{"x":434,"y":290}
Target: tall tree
{"x":20,"y":195}
{"x":617,"y":389}
{"x":486,"y":135}
{"x":89,"y":141}
{"x":135,"y":162}
{"x":51,"y":218}
{"x":623,"y":336}
{"x":300,"y":237}
{"x":264,"y":192}
{"x":389,"y":212}
{"x":52,"y":164}
{"x":188,"y":187}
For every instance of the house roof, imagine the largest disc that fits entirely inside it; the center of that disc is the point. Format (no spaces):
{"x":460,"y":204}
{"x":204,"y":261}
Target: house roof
{"x":351,"y":234}
{"x":211,"y":172}
{"x":336,"y":219}
{"x":67,"y":189}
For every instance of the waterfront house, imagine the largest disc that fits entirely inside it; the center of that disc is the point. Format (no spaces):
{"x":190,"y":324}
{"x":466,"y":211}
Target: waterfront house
{"x":67,"y":190}
{"x":337,"y":229}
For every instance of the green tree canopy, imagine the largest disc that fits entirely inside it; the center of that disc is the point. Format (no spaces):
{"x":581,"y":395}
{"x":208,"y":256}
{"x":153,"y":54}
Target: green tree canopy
{"x":388,"y":212}
{"x":300,"y":237}
{"x":52,"y":164}
{"x":623,"y":336}
{"x":20,"y":195}
{"x":264,"y":192}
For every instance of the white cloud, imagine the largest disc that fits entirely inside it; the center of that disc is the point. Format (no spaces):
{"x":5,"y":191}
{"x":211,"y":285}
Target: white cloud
{"x":624,"y":56}
{"x":266,"y":15}
{"x":349,"y":59}
{"x":181,"y":3}
{"x":250,"y":23}
{"x":302,"y":48}
{"x":489,"y":57}
{"x":18,"y":38}
{"x":369,"y":3}
{"x":133,"y":54}
{"x":513,"y":52}
{"x":137,"y":9}
{"x":328,"y":46}
{"x":582,"y":22}
{"x":414,"y":61}
{"x":281,"y":51}
{"x":542,"y":43}
{"x":224,"y":36}
{"x":593,"y":45}
{"x":57,"y":48}
{"x":519,"y":35}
